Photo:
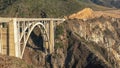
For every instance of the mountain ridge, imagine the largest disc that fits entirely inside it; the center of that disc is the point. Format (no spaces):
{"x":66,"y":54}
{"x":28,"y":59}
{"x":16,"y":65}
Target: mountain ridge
{"x":108,"y":3}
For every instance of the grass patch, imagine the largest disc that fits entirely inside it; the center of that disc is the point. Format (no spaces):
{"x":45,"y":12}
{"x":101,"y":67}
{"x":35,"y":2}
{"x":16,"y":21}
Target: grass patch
{"x":59,"y":31}
{"x":52,"y":8}
{"x":58,"y":45}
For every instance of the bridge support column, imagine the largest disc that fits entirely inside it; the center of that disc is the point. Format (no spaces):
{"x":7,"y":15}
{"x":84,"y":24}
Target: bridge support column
{"x":0,"y":40}
{"x":51,"y":36}
{"x":16,"y":38}
{"x":4,"y":40}
{"x":13,"y":38}
{"x":11,"y":43}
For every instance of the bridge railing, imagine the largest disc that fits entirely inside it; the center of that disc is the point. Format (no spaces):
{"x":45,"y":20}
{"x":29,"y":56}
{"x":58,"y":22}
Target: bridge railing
{"x":30,"y":19}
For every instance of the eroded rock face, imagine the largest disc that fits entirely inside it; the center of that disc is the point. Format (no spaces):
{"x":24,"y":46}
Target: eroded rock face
{"x":104,"y":31}
{"x":91,"y":43}
{"x":80,"y":54}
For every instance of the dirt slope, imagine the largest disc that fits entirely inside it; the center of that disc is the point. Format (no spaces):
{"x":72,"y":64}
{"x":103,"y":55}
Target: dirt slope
{"x":88,"y":13}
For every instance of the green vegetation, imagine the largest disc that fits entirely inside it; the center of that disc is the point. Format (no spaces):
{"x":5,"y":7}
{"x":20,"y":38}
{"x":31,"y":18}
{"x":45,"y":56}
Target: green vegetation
{"x":108,"y":3}
{"x":58,"y":45}
{"x":33,"y":8}
{"x":52,"y":8}
{"x":5,"y":3}
{"x":59,"y":30}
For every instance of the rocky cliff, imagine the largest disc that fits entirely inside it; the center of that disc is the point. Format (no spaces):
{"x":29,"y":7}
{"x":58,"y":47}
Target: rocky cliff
{"x":101,"y":36}
{"x":79,"y":43}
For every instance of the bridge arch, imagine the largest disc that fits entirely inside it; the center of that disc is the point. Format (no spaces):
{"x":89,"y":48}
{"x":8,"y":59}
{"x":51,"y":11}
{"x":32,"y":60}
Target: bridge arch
{"x":41,"y":26}
{"x":19,"y":30}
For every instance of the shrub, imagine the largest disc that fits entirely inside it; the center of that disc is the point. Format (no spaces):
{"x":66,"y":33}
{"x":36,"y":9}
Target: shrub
{"x":59,"y":30}
{"x":58,"y":45}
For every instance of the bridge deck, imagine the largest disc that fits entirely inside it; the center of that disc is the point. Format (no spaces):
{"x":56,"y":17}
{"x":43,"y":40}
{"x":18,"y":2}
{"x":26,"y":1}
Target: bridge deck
{"x":30,"y":19}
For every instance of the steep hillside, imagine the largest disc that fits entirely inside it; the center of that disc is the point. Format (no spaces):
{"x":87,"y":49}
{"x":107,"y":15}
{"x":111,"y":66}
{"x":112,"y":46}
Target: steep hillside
{"x":100,"y":36}
{"x":90,"y":43}
{"x":89,"y":13}
{"x":108,"y":3}
{"x":87,"y":39}
{"x":49,"y":8}
{"x":13,"y":62}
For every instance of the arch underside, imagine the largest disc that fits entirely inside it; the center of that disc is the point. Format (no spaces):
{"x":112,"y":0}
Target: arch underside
{"x":27,"y":32}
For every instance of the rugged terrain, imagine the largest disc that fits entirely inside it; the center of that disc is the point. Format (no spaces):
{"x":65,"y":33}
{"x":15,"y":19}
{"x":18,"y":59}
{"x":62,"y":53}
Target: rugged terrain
{"x":91,"y":43}
{"x":87,"y":39}
{"x":13,"y":62}
{"x":88,"y":13}
{"x":85,"y":43}
{"x":51,"y":8}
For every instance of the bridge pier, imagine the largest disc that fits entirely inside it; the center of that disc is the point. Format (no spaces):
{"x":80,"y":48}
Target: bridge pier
{"x":51,"y":35}
{"x":3,"y":38}
{"x":16,"y":38}
{"x":11,"y":39}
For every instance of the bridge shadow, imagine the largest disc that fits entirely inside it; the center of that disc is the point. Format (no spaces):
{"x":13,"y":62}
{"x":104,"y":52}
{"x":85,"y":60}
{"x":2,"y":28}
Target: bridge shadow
{"x":37,"y":42}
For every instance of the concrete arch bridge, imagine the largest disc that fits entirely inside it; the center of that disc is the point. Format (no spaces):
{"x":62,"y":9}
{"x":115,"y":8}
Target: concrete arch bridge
{"x":15,"y":32}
